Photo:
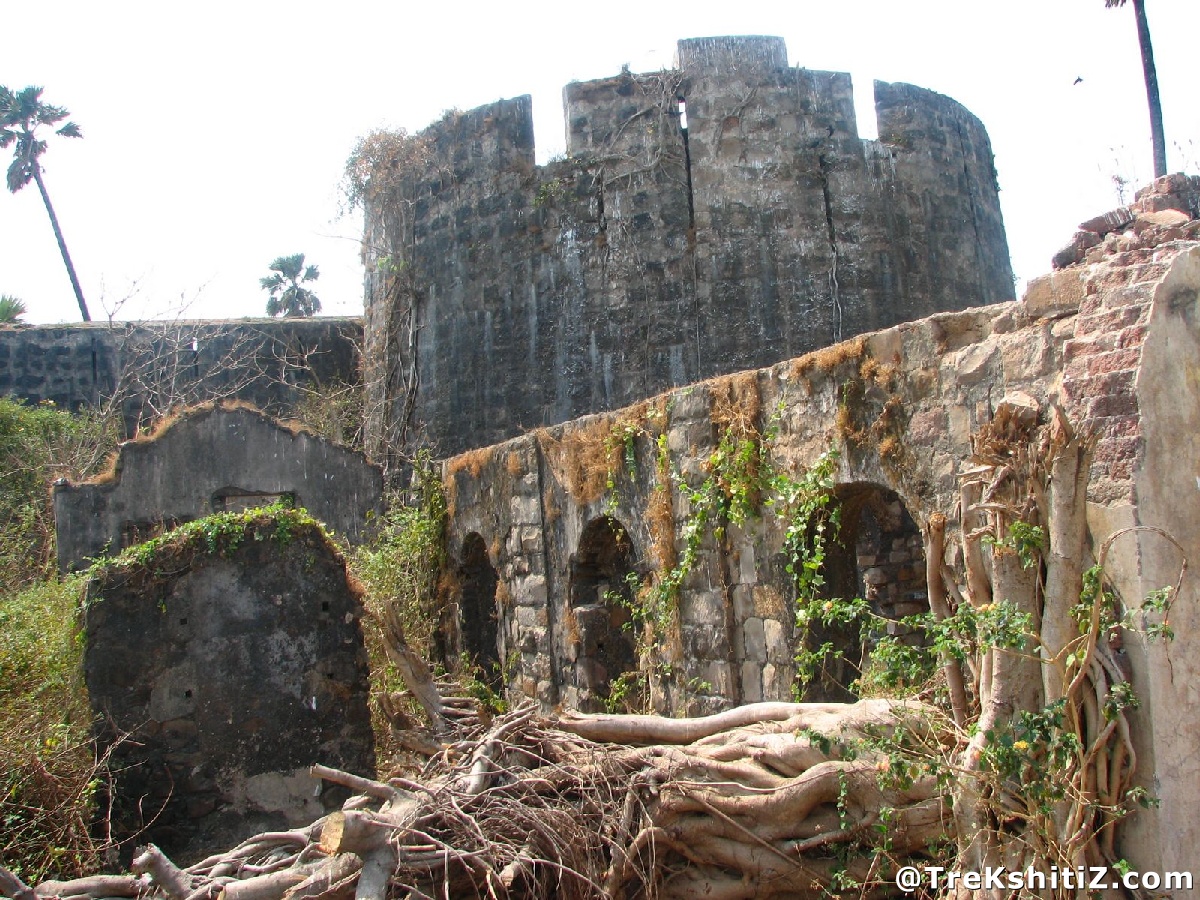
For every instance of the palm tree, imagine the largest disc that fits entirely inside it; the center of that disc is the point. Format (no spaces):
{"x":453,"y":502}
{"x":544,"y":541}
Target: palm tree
{"x":22,"y":113}
{"x":11,"y":310}
{"x":288,"y":295}
{"x":1151,"y":75}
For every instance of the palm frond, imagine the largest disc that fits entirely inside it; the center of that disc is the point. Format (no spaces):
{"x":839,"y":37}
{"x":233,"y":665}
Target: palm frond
{"x":11,"y":309}
{"x":20,"y":173}
{"x":288,"y":266}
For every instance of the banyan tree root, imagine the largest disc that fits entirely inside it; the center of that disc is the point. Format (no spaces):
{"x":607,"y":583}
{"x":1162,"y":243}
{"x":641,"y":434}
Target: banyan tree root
{"x":766,"y":800}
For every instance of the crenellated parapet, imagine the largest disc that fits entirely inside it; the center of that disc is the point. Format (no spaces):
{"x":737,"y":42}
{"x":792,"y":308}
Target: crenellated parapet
{"x":720,"y":215}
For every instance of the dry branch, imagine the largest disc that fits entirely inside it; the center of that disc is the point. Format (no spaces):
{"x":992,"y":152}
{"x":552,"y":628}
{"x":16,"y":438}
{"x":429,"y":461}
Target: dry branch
{"x":553,"y":813}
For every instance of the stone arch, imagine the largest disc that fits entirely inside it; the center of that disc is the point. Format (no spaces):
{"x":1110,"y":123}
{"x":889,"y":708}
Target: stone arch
{"x":479,"y":615}
{"x":599,"y":638}
{"x":879,"y":555}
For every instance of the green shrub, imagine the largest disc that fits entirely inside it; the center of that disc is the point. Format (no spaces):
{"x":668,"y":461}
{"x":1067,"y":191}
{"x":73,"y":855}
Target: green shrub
{"x":400,"y":568}
{"x":39,"y":444}
{"x":48,"y":773}
{"x":401,"y":565}
{"x":47,"y":766}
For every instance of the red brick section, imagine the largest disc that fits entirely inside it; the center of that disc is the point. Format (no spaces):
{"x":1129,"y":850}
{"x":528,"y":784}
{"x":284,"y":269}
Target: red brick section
{"x":1101,"y":361}
{"x":1098,"y":381}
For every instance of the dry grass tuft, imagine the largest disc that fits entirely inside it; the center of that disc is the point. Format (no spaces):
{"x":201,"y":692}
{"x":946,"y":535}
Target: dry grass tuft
{"x":513,"y":464}
{"x":583,"y":457}
{"x":737,"y":404}
{"x":825,"y":360}
{"x":472,"y":461}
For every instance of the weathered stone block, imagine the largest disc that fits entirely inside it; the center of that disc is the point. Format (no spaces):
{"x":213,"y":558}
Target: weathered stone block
{"x":531,"y":591}
{"x":530,"y":617}
{"x":525,"y":510}
{"x":1055,"y":294}
{"x":754,"y":641}
{"x":704,"y":608}
{"x":249,"y":667}
{"x":752,"y":690}
{"x":776,"y":637}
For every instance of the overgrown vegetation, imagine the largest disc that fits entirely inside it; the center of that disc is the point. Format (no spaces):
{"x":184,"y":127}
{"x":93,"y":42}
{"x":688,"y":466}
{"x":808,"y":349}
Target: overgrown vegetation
{"x":39,"y":444}
{"x":219,"y":534}
{"x":379,"y":162}
{"x":47,"y":767}
{"x":400,"y":568}
{"x":333,"y":410}
{"x":47,"y":770}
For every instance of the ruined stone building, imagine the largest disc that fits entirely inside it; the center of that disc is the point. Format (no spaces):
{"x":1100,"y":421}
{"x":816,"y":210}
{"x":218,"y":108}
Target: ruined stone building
{"x":720,"y":262}
{"x":208,"y":459}
{"x":546,"y":528}
{"x":148,"y":368}
{"x":718,"y":216}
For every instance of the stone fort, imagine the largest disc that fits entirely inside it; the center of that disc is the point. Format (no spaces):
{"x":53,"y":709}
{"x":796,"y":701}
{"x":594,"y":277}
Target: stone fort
{"x":711,"y":228}
{"x":718,"y":216}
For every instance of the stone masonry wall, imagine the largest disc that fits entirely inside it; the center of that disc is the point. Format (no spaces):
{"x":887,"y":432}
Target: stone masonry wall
{"x":151,"y":365}
{"x":211,"y":459}
{"x":218,"y":678}
{"x":902,"y":404}
{"x":504,"y":296}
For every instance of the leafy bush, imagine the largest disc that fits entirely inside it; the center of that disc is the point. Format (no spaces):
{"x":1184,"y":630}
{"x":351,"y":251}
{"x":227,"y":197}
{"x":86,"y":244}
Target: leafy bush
{"x":401,"y":565}
{"x":47,"y":767}
{"x":400,"y":568}
{"x":37,"y":445}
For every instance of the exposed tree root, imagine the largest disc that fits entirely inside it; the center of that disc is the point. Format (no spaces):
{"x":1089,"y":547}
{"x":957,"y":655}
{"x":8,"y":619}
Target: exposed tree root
{"x":761,"y":801}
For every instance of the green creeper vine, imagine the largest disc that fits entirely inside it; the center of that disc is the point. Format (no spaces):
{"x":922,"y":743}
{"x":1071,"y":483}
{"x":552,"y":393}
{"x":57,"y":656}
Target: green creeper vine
{"x":219,"y":534}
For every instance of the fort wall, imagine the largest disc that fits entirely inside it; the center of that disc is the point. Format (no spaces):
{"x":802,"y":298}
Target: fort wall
{"x":504,"y":296}
{"x":559,"y":518}
{"x":150,"y":367}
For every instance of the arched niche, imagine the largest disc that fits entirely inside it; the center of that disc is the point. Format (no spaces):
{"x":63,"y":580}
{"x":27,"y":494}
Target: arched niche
{"x":599,"y":634}
{"x":878,"y":554}
{"x":479,"y":616}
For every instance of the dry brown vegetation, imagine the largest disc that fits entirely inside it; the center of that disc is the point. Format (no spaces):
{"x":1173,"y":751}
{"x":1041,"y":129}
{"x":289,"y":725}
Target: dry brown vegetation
{"x":473,"y":462}
{"x":825,"y":360}
{"x":744,"y":803}
{"x":582,"y":457}
{"x":737,"y":404}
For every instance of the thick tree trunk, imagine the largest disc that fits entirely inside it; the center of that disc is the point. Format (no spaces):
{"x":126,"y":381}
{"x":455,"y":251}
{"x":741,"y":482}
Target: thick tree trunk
{"x":62,"y":244}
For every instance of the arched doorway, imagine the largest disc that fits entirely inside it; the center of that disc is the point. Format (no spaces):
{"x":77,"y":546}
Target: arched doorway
{"x":879,"y":555}
{"x":599,"y":631}
{"x":479,"y":617}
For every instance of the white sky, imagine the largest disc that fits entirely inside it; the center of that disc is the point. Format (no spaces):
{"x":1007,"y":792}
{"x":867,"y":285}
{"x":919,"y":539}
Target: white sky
{"x":215,"y":133}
